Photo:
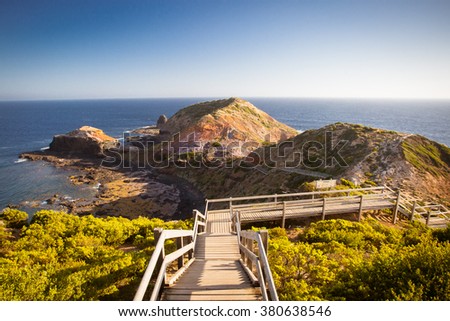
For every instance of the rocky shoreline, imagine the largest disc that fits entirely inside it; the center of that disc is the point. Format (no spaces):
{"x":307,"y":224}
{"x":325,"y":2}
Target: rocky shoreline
{"x":122,"y":192}
{"x":224,"y":132}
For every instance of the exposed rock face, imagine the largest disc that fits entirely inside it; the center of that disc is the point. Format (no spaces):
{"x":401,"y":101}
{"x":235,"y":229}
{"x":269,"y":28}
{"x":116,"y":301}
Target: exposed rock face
{"x":85,"y":140}
{"x":161,"y":121}
{"x":226,"y":121}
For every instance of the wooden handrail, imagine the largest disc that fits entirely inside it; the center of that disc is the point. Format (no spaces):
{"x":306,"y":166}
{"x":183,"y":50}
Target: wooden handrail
{"x":167,"y":260}
{"x":159,"y":251}
{"x":280,"y":206}
{"x":273,"y":196}
{"x":259,"y":260}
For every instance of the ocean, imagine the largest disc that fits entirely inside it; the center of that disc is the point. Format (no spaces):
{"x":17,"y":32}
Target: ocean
{"x":30,"y":125}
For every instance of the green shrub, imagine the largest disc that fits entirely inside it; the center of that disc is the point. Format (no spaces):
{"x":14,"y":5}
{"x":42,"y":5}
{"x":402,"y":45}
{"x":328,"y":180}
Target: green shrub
{"x":60,"y":256}
{"x":347,"y":183}
{"x":342,"y":260}
{"x":442,"y":234}
{"x":14,"y":218}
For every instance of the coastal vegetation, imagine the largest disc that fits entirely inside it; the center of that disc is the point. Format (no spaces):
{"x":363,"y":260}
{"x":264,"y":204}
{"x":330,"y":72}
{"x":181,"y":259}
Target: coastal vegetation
{"x":343,"y":260}
{"x":427,"y":156}
{"x":59,"y":256}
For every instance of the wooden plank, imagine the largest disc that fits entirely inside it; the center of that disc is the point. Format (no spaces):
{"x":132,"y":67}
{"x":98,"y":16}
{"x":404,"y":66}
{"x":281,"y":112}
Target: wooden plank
{"x":251,"y":291}
{"x":169,"y":297}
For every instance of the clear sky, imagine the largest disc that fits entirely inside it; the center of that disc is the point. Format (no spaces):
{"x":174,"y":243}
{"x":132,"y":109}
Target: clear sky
{"x":65,"y":49}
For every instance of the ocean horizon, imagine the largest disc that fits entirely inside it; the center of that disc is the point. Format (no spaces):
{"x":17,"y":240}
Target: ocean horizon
{"x":30,"y":125}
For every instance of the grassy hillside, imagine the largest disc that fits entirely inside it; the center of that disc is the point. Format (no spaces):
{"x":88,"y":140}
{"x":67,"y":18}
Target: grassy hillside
{"x":369,"y":155}
{"x":356,"y":155}
{"x":427,"y":156}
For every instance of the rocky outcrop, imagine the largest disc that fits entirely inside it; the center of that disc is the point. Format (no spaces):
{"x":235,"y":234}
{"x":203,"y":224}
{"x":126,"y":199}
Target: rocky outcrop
{"x":161,"y":121}
{"x":224,"y":122}
{"x":85,"y":140}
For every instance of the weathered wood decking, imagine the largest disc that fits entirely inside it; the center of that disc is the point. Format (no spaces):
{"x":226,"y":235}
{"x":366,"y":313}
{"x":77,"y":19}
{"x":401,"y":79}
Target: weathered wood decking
{"x":216,"y":274}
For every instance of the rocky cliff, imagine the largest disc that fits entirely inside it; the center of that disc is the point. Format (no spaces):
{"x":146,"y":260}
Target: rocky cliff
{"x":85,"y":140}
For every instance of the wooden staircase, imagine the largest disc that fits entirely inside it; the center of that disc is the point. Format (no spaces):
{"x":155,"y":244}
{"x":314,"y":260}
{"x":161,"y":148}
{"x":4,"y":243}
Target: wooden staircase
{"x":217,"y":273}
{"x":218,"y":261}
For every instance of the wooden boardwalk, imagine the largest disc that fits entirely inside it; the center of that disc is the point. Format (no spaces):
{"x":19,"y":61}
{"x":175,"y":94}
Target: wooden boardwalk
{"x":328,"y":203}
{"x":216,"y":274}
{"x":309,"y":208}
{"x":231,"y":264}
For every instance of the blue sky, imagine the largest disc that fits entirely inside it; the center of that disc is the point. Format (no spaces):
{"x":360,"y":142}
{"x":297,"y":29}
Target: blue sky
{"x":65,"y":49}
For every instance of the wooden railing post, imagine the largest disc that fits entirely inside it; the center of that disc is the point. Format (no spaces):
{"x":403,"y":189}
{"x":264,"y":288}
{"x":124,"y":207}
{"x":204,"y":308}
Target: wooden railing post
{"x":190,"y":254}
{"x":283,"y":221}
{"x":265,"y":239}
{"x":428,"y":216}
{"x":262,"y":238}
{"x":233,"y":223}
{"x":360,"y":208}
{"x":276,"y":198}
{"x":238,"y":217}
{"x":323,"y":208}
{"x":180,"y":244}
{"x":157,"y":234}
{"x":249,"y":246}
{"x":413,"y":210}
{"x":242,"y":240}
{"x":230,"y":204}
{"x":397,"y":205}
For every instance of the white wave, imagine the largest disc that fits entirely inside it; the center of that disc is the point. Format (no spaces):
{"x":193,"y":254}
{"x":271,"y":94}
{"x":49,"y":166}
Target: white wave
{"x":45,"y":148}
{"x":20,"y":160}
{"x":69,"y":198}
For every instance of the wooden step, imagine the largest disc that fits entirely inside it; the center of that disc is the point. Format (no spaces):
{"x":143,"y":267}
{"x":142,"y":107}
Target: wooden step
{"x":216,"y":274}
{"x":219,"y":222}
{"x":245,"y":294}
{"x":217,"y":247}
{"x":213,"y":280}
